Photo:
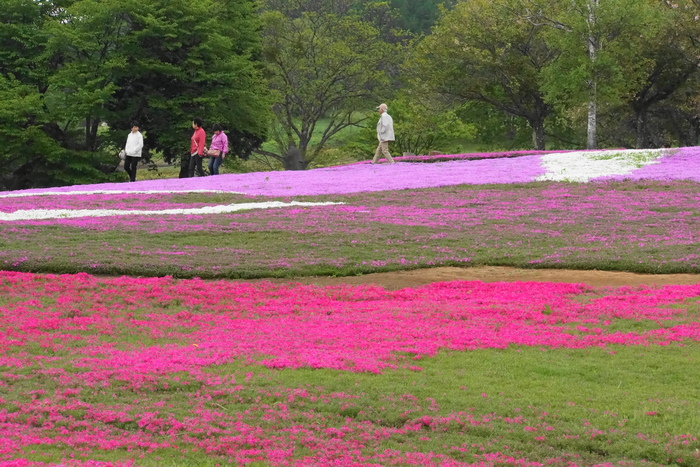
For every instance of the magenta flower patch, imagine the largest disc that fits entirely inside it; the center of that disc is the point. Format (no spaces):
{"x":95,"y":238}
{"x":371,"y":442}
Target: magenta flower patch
{"x":351,"y":328}
{"x":124,"y":340}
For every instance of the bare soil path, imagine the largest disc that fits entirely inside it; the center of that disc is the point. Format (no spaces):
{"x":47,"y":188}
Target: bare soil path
{"x":418,"y":277}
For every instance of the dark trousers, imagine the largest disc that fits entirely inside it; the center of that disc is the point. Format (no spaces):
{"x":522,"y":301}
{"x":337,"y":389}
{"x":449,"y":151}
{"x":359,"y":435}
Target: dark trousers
{"x":196,"y":163}
{"x":130,"y":166}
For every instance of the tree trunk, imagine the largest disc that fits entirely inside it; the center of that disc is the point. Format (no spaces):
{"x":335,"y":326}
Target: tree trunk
{"x":641,"y":120}
{"x":294,"y":159}
{"x":690,"y":137}
{"x":538,"y":137}
{"x":88,"y":128}
{"x":592,"y":142}
{"x":593,"y":84}
{"x":95,"y":128}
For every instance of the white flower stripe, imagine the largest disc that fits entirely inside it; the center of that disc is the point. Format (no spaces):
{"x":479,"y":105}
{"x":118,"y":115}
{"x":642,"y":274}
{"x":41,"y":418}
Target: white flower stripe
{"x":35,"y":214}
{"x":112,"y":192}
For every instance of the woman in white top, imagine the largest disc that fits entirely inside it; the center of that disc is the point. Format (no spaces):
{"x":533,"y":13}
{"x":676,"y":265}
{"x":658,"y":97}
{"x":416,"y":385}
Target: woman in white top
{"x":134,"y":145}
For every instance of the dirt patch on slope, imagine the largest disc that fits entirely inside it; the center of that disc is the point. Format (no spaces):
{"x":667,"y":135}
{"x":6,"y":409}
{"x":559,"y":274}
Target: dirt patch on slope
{"x":418,"y":277}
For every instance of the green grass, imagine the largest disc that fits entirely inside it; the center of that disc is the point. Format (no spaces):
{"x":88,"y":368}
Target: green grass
{"x":640,"y":159}
{"x":602,"y":405}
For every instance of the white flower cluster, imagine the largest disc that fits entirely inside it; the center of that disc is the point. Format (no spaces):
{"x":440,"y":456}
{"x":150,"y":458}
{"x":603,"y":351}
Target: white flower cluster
{"x":25,"y":194}
{"x":583,"y":166}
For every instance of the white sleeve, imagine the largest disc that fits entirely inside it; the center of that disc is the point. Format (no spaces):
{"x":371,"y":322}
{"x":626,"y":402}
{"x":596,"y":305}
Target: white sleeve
{"x":139,"y":144}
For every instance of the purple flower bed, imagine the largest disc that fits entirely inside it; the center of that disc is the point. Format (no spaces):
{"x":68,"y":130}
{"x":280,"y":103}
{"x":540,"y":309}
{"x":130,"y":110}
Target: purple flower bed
{"x":641,"y":226}
{"x":681,"y":164}
{"x":342,"y":180}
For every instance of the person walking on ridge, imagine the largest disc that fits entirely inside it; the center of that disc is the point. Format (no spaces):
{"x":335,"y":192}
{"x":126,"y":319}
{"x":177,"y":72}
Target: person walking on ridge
{"x":132,"y":151}
{"x":385,"y":133}
{"x":197,"y":144}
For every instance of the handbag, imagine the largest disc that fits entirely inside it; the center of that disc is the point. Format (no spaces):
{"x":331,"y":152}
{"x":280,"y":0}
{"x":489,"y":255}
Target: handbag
{"x":122,"y":154}
{"x":213,"y":152}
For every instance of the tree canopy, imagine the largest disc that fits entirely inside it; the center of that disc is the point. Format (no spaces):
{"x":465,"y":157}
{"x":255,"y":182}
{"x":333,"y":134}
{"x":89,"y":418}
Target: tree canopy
{"x":324,"y":63}
{"x":93,"y":66}
{"x":480,"y":52}
{"x":288,"y":78}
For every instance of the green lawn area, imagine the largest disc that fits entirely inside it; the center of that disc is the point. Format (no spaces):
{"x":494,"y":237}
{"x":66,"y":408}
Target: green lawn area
{"x":558,"y":407}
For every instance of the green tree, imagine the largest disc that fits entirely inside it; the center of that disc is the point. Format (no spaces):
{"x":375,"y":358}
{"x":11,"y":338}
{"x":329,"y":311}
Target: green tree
{"x":106,"y":62}
{"x":676,"y":121}
{"x":482,"y":52}
{"x":601,"y":43}
{"x":162,"y":63}
{"x":30,"y":154}
{"x":674,"y":67}
{"x":426,"y":127}
{"x":324,"y":64}
{"x":418,"y":16}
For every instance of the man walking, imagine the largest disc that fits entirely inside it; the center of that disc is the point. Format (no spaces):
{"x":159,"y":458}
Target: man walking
{"x":197,"y":143}
{"x":385,"y":133}
{"x":132,"y":149}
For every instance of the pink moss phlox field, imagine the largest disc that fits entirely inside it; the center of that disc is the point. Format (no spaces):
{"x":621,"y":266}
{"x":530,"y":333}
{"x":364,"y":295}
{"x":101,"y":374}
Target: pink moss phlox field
{"x":78,"y":337}
{"x":489,"y":218}
{"x":554,"y":204}
{"x":195,"y":323}
{"x":356,"y":178}
{"x":685,"y":163}
{"x":343,"y":179}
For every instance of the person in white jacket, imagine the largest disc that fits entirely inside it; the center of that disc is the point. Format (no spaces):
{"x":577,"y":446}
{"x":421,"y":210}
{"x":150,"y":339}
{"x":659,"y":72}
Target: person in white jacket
{"x":134,"y":145}
{"x":385,"y":133}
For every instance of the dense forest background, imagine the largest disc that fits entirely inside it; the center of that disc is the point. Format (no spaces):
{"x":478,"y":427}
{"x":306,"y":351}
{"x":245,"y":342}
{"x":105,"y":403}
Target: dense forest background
{"x":295,"y":82}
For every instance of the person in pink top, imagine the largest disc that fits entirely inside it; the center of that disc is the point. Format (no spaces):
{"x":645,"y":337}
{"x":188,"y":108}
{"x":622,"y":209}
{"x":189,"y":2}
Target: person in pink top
{"x":217,"y":149}
{"x":197,"y":146}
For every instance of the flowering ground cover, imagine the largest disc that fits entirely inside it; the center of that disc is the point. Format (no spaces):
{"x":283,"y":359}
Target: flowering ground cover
{"x":98,"y":371}
{"x":642,"y":226}
{"x":156,"y":371}
{"x":582,"y":166}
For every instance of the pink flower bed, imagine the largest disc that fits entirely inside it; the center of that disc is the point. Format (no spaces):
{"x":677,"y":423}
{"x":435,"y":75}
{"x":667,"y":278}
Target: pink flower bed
{"x":683,"y":164}
{"x":650,"y":223}
{"x":79,"y":337}
{"x":351,"y":328}
{"x":122,"y":201}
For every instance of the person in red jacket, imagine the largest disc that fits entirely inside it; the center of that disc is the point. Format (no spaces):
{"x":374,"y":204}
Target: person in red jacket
{"x":197,"y":144}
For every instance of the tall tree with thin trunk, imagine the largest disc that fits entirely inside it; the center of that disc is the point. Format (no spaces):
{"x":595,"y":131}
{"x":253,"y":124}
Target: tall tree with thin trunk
{"x":602,"y":42}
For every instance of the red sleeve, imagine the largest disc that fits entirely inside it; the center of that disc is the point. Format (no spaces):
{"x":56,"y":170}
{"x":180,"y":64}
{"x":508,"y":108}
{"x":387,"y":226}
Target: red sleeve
{"x":201,"y":142}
